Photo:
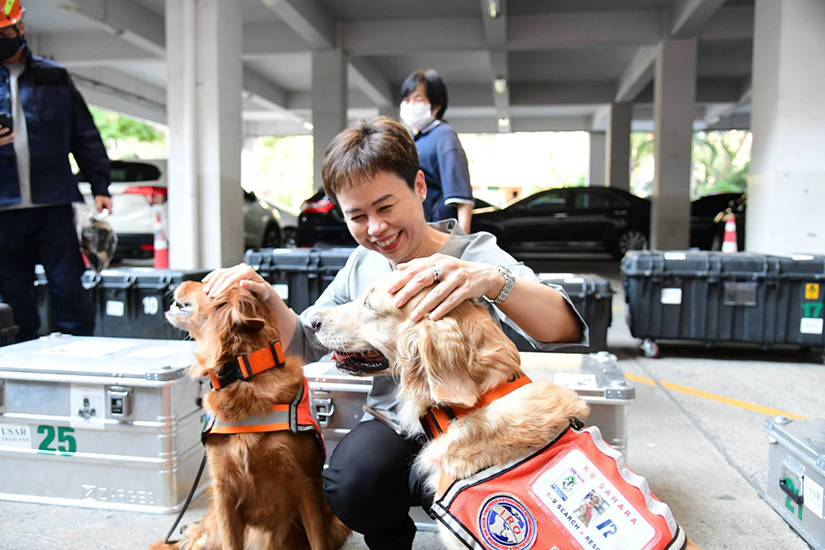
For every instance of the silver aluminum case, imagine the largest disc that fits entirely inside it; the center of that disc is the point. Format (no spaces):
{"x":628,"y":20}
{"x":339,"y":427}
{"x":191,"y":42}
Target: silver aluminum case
{"x":339,"y":400}
{"x":796,"y":455}
{"x":596,"y":378}
{"x":144,"y":462}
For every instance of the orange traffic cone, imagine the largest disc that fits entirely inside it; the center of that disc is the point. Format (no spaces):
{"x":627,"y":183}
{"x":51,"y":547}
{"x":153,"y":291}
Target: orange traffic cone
{"x":161,"y":243}
{"x":729,"y":244}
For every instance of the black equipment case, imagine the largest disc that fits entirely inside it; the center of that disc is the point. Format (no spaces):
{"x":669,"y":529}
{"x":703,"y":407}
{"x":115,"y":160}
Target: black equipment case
{"x":713,"y":298}
{"x":8,"y":330}
{"x":592,"y":297}
{"x":299,"y":275}
{"x":128,"y":302}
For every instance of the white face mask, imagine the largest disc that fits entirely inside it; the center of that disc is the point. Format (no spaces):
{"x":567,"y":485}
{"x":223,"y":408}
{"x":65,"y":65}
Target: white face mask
{"x":416,"y":115}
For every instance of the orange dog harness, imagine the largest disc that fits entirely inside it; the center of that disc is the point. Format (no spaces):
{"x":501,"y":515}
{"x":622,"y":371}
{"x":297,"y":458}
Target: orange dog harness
{"x":575,"y":493}
{"x":296,"y":416}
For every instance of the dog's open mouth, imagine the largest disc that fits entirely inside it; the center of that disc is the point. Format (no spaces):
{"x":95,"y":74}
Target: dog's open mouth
{"x":361,"y":363}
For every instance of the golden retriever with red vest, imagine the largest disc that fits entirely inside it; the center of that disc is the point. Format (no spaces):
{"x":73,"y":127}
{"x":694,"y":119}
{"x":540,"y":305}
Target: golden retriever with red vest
{"x":461,"y":383}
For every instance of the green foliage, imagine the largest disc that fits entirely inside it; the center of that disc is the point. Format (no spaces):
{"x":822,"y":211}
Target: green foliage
{"x":113,"y":127}
{"x":720,"y":162}
{"x":284,"y":168}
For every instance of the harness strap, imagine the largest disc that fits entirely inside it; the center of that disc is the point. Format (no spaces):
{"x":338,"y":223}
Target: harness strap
{"x":437,"y":420}
{"x":247,"y":365}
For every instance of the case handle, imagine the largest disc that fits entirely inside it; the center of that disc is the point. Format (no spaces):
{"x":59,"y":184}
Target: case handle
{"x":798,"y":499}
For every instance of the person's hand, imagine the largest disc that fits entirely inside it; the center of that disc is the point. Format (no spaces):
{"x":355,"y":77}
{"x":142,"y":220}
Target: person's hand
{"x":6,"y":136}
{"x":103,"y":202}
{"x":458,"y":280}
{"x":219,"y":280}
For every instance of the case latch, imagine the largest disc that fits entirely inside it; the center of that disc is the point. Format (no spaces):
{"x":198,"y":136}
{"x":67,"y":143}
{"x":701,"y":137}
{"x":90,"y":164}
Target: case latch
{"x":120,"y":402}
{"x":324,"y":408}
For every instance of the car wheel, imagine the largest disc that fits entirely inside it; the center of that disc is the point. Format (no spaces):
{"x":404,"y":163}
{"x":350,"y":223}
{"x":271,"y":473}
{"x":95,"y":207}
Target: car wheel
{"x":630,"y":240}
{"x":290,"y":237}
{"x":272,"y":237}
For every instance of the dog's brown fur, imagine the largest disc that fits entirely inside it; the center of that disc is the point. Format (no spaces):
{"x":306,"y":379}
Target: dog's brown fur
{"x":453,"y":361}
{"x":267,"y":489}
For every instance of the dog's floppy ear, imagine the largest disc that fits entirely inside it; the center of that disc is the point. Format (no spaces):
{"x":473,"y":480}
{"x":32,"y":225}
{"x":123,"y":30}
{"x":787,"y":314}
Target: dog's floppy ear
{"x":250,"y":325}
{"x":444,"y":358}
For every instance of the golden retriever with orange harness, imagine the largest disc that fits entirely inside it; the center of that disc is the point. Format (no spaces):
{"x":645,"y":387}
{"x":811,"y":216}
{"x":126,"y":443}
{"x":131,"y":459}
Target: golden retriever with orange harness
{"x":264,"y":448}
{"x":507,"y":458}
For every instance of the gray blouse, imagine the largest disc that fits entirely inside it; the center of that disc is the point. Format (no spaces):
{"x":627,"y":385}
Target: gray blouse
{"x":364,"y":267}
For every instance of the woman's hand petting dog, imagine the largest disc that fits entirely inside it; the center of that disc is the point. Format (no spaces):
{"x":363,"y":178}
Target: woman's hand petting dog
{"x":457,"y":281}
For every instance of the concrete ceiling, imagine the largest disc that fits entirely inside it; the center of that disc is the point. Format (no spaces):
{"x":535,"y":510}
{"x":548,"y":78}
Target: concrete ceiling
{"x":565,"y":61}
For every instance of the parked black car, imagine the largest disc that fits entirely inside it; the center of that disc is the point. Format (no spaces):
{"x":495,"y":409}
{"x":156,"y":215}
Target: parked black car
{"x":738,"y":208}
{"x":570,"y":219}
{"x":321,"y":222}
{"x":703,"y":212}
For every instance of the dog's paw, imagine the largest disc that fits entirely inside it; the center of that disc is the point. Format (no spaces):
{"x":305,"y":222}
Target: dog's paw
{"x":160,"y":545}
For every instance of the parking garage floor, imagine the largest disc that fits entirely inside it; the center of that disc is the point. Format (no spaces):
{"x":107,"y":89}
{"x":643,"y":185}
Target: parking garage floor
{"x":695,"y":432}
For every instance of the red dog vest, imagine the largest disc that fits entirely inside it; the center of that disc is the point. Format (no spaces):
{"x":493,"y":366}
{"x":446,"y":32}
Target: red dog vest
{"x":576,"y":493}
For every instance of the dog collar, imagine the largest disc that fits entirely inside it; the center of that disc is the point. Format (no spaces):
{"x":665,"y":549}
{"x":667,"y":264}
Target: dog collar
{"x":247,"y":365}
{"x":438,"y":419}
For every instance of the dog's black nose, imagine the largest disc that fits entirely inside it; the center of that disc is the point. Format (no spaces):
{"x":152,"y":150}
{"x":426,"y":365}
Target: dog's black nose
{"x":316,"y":323}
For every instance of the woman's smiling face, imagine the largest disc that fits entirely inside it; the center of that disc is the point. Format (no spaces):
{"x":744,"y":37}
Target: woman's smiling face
{"x":385,"y":215}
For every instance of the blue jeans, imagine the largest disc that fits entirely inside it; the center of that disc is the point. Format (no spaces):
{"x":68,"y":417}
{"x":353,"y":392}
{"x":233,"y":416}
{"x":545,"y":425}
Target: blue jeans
{"x":47,"y":236}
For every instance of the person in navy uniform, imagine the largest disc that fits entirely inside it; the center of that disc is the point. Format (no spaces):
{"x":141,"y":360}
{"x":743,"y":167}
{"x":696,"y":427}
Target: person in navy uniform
{"x":442,"y":158}
{"x":43,"y":118}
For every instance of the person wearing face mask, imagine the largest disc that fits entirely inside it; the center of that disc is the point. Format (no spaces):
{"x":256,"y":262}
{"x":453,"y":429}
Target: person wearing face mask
{"x":442,"y":158}
{"x":43,"y":118}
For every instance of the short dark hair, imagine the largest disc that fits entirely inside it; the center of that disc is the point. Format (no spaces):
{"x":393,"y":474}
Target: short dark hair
{"x":363,"y":150}
{"x":433,"y":85}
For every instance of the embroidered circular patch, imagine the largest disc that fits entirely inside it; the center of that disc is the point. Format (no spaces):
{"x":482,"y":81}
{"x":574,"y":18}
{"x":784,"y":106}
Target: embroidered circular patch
{"x":506,"y":524}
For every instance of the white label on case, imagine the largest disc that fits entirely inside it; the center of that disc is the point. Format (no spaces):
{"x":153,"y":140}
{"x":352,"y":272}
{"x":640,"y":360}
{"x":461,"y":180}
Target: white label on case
{"x":675,"y":256}
{"x":809,"y":325}
{"x":575,"y":381}
{"x":812,"y":496}
{"x":151,"y":305}
{"x":115,"y":308}
{"x":88,"y":407}
{"x":282,"y":291}
{"x":16,"y":436}
{"x":672,"y":296}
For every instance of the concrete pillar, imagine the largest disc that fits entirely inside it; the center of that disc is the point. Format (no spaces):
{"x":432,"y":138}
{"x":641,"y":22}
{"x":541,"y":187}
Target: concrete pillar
{"x":674,"y":97}
{"x":329,"y":103}
{"x":786,"y":190}
{"x":204,"y":78}
{"x":617,"y":171}
{"x":597,"y":159}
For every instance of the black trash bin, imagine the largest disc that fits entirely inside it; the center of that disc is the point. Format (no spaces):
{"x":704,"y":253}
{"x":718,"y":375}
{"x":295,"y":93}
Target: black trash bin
{"x":299,"y":275}
{"x":717,"y":298}
{"x":131,"y":302}
{"x":592,"y":297}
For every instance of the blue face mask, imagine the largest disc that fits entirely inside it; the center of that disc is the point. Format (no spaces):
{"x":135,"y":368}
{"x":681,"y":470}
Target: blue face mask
{"x":10,"y":46}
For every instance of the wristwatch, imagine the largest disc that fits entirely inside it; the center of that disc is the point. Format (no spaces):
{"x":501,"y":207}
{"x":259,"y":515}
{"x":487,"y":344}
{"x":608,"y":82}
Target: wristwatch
{"x":509,"y":282}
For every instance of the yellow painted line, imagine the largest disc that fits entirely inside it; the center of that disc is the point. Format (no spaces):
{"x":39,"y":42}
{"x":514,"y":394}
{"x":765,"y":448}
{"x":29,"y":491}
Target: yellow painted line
{"x":715,"y":397}
{"x":641,"y":379}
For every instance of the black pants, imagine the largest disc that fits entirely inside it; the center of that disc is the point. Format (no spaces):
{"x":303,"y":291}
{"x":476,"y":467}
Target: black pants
{"x":47,"y":236}
{"x":370,"y":486}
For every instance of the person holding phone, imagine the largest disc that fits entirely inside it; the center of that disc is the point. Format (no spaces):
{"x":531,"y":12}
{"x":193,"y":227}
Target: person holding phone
{"x":43,"y":118}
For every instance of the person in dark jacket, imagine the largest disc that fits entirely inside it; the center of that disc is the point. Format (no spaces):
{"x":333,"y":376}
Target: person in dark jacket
{"x":43,"y":118}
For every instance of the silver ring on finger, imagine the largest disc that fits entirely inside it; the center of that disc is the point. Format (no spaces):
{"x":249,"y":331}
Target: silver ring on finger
{"x":437,"y":271}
